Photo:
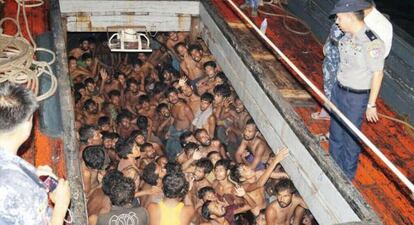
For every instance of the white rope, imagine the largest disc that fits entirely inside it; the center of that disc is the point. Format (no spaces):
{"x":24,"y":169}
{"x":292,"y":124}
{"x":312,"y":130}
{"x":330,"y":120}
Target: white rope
{"x":327,"y":102}
{"x":17,"y":64}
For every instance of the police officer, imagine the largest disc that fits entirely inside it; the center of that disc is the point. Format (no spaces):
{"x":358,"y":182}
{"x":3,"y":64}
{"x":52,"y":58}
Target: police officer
{"x":358,"y":83}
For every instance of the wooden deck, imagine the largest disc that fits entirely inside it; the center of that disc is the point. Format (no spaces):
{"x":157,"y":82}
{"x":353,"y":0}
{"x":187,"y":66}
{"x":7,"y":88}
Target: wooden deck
{"x":381,"y":189}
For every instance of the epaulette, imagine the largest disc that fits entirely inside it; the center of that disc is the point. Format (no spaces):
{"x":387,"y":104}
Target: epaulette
{"x":371,"y":35}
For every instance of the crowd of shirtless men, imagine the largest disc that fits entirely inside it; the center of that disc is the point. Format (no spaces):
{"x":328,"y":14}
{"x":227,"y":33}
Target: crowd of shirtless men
{"x":164,"y":133}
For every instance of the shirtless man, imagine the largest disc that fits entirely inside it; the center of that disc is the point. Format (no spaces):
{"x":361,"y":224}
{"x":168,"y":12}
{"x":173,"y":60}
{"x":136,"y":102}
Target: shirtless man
{"x":145,"y":108}
{"x":202,"y":168}
{"x":78,"y":74}
{"x":139,"y":137}
{"x":207,"y":84}
{"x":222,"y":185}
{"x":152,"y":175}
{"x":79,"y":51}
{"x":146,"y":67}
{"x":88,"y":136}
{"x":188,"y":94}
{"x":209,"y":145}
{"x":91,"y":112}
{"x":240,"y":118}
{"x":148,"y":154}
{"x":188,"y":66}
{"x":183,"y":116}
{"x":253,"y":142}
{"x":113,"y":107}
{"x":254,"y":181}
{"x":288,"y":208}
{"x":132,"y":94}
{"x":90,"y":64}
{"x":124,"y":127}
{"x":204,"y":116}
{"x":128,"y":152}
{"x":108,"y":83}
{"x":163,"y":121}
{"x":174,"y":38}
{"x":93,"y":165}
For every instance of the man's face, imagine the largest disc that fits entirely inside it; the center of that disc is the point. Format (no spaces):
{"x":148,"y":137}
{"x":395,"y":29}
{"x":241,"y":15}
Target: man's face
{"x":72,"y":64}
{"x":210,"y":71}
{"x":199,"y":173}
{"x":114,"y":141}
{"x":136,"y":153}
{"x":133,"y":88}
{"x":88,"y":62}
{"x":220,"y":172}
{"x":91,"y":87}
{"x":106,"y":127}
{"x":196,"y":55}
{"x":217,"y":209}
{"x":126,"y":123}
{"x":142,"y":57}
{"x":96,"y":138}
{"x":121,"y":78}
{"x":284,"y":198}
{"x":85,"y":45}
{"x":140,"y":139}
{"x":82,"y":91}
{"x":136,"y":68}
{"x":93,"y":108}
{"x":246,"y":172}
{"x":204,"y":105}
{"x":239,"y":106}
{"x":107,"y":143}
{"x":204,"y":139}
{"x":173,"y":36}
{"x":218,"y":98}
{"x":145,"y":105}
{"x":150,"y":152}
{"x":165,"y":112}
{"x":249,"y":132}
{"x":115,"y":100}
{"x":345,"y":21}
{"x":182,"y":50}
{"x":187,"y":90}
{"x":210,"y":196}
{"x":173,"y":98}
{"x":162,"y":162}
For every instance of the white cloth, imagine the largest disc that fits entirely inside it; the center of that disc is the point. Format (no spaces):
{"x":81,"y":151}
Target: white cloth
{"x":381,"y":26}
{"x":201,"y":117}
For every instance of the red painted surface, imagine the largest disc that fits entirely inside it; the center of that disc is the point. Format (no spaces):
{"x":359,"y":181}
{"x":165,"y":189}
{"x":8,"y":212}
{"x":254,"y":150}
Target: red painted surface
{"x":40,"y":149}
{"x":380,"y":188}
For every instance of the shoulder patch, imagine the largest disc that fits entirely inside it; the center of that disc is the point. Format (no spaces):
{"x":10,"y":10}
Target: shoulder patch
{"x":375,"y":49}
{"x":370,"y":35}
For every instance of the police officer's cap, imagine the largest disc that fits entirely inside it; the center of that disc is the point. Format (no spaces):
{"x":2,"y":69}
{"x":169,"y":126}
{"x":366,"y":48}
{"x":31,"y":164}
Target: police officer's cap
{"x":343,"y":6}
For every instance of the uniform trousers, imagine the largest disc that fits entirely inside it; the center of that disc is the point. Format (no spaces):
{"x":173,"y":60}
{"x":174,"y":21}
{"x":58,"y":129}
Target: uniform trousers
{"x":344,"y":146}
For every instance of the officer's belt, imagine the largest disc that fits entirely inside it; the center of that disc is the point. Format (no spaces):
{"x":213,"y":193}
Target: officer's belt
{"x":351,"y":90}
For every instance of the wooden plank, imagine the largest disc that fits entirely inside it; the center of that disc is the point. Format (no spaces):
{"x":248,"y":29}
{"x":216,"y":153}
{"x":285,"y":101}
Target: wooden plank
{"x":327,"y":204}
{"x":152,"y":23}
{"x":89,"y":7}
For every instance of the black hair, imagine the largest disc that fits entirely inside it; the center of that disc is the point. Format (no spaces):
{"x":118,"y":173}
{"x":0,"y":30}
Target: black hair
{"x":184,"y":136}
{"x":175,"y":185}
{"x":245,"y":218}
{"x":235,"y":173}
{"x":198,"y":131}
{"x":122,"y":116}
{"x":72,"y":58}
{"x":222,"y":76}
{"x":149,"y":175}
{"x":206,"y":164}
{"x":142,"y":123}
{"x":189,"y":146}
{"x":103,"y":120}
{"x":143,"y":98}
{"x":114,"y":93}
{"x":131,"y":81}
{"x":204,"y":190}
{"x":111,"y":177}
{"x":134,"y":134}
{"x":88,"y":81}
{"x":194,"y":47}
{"x":207,"y":97}
{"x":17,"y":105}
{"x":176,"y":46}
{"x":94,"y":157}
{"x":173,"y":167}
{"x":122,"y":192}
{"x":224,"y":163}
{"x":137,"y":62}
{"x":124,"y":148}
{"x":86,"y":132}
{"x":78,"y":86}
{"x":170,"y":90}
{"x":161,"y":106}
{"x":250,"y":122}
{"x":223,"y":90}
{"x":205,"y":212}
{"x":210,"y":63}
{"x":145,"y":145}
{"x":88,"y":103}
{"x":86,"y":56}
{"x":159,"y":87}
{"x":283,"y":185}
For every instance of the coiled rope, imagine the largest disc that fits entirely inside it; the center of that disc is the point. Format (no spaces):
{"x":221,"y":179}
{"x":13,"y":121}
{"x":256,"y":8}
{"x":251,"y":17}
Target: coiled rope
{"x":17,"y":63}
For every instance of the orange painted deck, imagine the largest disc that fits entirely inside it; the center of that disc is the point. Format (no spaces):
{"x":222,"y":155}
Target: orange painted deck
{"x":381,"y":189}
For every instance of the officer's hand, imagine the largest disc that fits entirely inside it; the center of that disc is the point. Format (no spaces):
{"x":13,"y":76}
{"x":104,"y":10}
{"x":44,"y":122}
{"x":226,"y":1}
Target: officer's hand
{"x":372,"y":115}
{"x":61,"y":195}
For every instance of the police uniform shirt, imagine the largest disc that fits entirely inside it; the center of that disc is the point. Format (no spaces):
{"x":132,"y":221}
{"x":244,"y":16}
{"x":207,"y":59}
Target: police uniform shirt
{"x":361,"y":56}
{"x":381,"y":26}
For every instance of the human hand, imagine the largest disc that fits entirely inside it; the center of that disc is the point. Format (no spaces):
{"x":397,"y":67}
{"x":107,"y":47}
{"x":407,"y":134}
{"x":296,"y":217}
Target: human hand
{"x":372,"y":115}
{"x":182,"y":81}
{"x":239,"y":191}
{"x":197,"y":155}
{"x":45,"y":171}
{"x":104,"y":74}
{"x":61,"y":195}
{"x":282,"y":154}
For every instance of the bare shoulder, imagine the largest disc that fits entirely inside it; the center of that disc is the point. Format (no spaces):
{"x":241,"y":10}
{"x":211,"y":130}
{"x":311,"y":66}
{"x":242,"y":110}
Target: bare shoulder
{"x":298,"y":201}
